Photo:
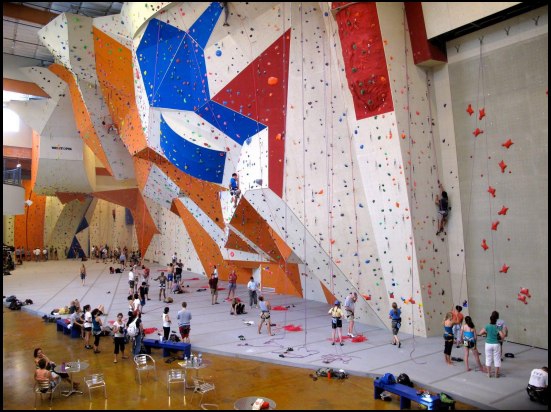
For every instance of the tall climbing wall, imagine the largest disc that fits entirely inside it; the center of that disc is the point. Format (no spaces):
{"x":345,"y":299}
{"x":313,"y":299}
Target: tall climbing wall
{"x":501,"y":129}
{"x":108,"y":226}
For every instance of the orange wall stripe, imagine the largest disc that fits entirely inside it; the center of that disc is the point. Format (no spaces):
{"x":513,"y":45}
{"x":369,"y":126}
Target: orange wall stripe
{"x":102,"y":171}
{"x":29,"y":227}
{"x":206,"y":195}
{"x":207,"y":249}
{"x":35,"y":158}
{"x":20,"y":86}
{"x":114,"y":70}
{"x":83,"y":122}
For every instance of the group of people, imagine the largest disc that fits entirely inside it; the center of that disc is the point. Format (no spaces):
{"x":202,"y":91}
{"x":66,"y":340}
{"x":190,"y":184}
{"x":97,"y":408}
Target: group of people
{"x":466,"y":335}
{"x":337,"y":316}
{"x":39,"y":254}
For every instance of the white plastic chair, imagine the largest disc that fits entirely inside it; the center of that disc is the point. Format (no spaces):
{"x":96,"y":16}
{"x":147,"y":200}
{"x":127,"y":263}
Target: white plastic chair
{"x":95,"y":381}
{"x":145,"y":363}
{"x":176,"y":376}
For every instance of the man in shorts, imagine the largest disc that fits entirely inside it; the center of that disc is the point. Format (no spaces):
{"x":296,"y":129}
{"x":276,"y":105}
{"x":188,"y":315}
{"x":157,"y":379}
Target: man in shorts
{"x":184,"y":322}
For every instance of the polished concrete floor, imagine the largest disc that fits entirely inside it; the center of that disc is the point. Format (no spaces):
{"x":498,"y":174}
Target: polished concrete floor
{"x":214,"y":332}
{"x":289,"y":387}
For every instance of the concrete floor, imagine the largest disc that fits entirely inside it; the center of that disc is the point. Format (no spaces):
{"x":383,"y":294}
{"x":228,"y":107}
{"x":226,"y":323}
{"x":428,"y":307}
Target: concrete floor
{"x":53,"y":284}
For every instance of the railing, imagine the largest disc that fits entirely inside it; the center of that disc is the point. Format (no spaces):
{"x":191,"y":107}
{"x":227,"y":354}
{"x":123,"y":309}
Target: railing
{"x":12,"y":177}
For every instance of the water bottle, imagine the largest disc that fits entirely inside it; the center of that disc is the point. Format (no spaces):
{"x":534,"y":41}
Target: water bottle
{"x":185,"y":361}
{"x":200,"y":359}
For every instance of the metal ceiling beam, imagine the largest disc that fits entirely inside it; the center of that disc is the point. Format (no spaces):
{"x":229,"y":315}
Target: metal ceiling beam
{"x":20,"y":12}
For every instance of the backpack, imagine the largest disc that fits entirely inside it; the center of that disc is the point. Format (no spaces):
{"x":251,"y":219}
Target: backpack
{"x":11,"y":298}
{"x":173,"y":338}
{"x":132,"y":329}
{"x":404,"y":380}
{"x":447,"y":402}
{"x":323,"y":372}
{"x":387,"y":379}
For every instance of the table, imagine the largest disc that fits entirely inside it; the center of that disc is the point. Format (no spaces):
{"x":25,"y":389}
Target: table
{"x":204,"y":364}
{"x":246,"y":404}
{"x":71,"y":368}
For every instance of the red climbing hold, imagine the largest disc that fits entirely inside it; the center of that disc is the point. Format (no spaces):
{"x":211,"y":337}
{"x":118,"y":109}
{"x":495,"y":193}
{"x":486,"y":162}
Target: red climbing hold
{"x":522,"y":298}
{"x":495,"y":224}
{"x":503,"y":166}
{"x":504,"y":268}
{"x":470,"y":110}
{"x":484,"y":245}
{"x":492,"y":191}
{"x":503,"y":211}
{"x":525,"y":291}
{"x":507,"y":144}
{"x":477,"y":132}
{"x":481,"y":114}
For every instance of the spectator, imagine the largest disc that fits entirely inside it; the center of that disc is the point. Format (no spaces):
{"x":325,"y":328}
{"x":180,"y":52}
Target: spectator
{"x":42,"y":374}
{"x":237,"y":307}
{"x":118,"y":331}
{"x":166,"y":323}
{"x":213,"y":283}
{"x":87,"y":326}
{"x":83,"y":274}
{"x":537,"y":385}
{"x":492,"y":348}
{"x":501,"y":326}
{"x":97,"y":328}
{"x":252,"y":287}
{"x":142,"y":293}
{"x":448,"y":337}
{"x":232,"y":284}
{"x":184,"y":322}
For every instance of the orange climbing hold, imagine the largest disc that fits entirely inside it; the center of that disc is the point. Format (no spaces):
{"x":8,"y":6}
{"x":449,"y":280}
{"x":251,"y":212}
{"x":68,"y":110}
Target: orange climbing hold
{"x":272,"y":81}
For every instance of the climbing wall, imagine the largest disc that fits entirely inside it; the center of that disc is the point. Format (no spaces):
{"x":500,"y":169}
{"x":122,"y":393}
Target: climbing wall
{"x":107,"y":226}
{"x":173,"y":237}
{"x":53,"y":210}
{"x":67,"y":226}
{"x":503,"y":171}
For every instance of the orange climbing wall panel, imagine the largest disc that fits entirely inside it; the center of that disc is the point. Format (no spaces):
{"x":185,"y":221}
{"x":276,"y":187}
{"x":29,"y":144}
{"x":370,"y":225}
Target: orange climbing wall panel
{"x":114,"y":70}
{"x":69,"y":197}
{"x":82,"y":117}
{"x":29,"y":227}
{"x":141,"y":171}
{"x":206,"y":195}
{"x":235,"y":242}
{"x":206,"y":248}
{"x":328,"y":295}
{"x":35,"y":156}
{"x":283,"y":280}
{"x":248,"y":222}
{"x":144,"y":224}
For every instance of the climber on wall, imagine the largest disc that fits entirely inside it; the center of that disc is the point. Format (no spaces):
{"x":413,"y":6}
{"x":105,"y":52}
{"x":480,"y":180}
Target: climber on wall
{"x":234,"y":189}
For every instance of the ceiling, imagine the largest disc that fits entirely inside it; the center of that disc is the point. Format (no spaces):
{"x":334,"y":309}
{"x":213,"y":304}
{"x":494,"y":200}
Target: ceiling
{"x":21,"y":24}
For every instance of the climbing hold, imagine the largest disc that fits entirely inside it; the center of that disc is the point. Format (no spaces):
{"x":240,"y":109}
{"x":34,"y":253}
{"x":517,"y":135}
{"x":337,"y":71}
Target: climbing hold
{"x":504,"y":268}
{"x":495,"y":224}
{"x":484,"y":245}
{"x":272,"y":81}
{"x":470,"y":110}
{"x":507,"y":144}
{"x":503,"y":166}
{"x":477,"y":132}
{"x":503,"y":211}
{"x":492,"y":191}
{"x":522,"y":298}
{"x":481,"y":114}
{"x":525,"y":291}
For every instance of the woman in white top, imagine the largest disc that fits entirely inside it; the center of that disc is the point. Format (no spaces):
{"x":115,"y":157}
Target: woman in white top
{"x":118,"y":330}
{"x":87,"y":326}
{"x":166,"y":324}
